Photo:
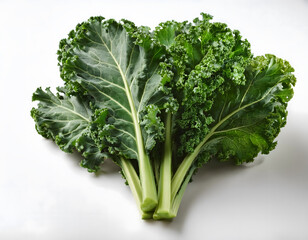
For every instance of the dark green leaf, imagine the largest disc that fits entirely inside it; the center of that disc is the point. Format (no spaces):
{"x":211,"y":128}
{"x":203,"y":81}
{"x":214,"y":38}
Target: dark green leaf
{"x":101,"y":59}
{"x":66,"y":121}
{"x":248,"y":118}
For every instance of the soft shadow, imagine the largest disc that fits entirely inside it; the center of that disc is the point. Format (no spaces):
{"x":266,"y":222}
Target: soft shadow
{"x":107,"y":167}
{"x":205,"y":180}
{"x":292,"y":143}
{"x":291,"y":150}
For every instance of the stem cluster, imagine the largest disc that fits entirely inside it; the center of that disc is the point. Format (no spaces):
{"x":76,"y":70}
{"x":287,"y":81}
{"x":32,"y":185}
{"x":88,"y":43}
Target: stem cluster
{"x":160,"y":202}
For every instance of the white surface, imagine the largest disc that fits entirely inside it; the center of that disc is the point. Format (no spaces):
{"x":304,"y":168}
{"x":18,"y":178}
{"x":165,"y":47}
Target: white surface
{"x":44,"y":194}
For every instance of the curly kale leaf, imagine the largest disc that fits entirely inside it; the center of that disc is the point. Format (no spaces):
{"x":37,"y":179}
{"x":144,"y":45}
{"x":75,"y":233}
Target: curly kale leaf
{"x":248,"y":118}
{"x":118,"y":65}
{"x":206,"y":58}
{"x":67,"y":120}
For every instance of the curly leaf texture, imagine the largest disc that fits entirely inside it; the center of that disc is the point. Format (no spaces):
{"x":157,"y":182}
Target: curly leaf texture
{"x":66,"y":120}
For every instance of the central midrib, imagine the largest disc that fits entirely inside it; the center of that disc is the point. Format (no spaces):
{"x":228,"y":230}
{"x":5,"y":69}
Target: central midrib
{"x":230,"y":115}
{"x":139,"y":138}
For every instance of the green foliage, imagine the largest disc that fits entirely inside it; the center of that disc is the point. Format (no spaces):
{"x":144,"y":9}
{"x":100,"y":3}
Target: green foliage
{"x":100,"y":59}
{"x":66,"y":120}
{"x":170,"y":99}
{"x":248,"y":118}
{"x":207,"y":57}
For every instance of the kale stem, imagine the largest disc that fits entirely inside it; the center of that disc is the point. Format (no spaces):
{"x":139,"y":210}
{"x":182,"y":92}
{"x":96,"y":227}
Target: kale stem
{"x":148,"y":186}
{"x":164,"y":186}
{"x":134,"y":184}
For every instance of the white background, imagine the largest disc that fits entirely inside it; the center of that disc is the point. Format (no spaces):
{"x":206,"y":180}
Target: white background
{"x":44,"y":194}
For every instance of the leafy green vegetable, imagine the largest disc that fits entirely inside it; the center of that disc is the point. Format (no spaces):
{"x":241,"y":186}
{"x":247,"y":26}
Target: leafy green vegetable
{"x":70,"y":122}
{"x":162,"y":103}
{"x":247,"y":118}
{"x":67,"y":120}
{"x":231,"y":105}
{"x":101,"y":59}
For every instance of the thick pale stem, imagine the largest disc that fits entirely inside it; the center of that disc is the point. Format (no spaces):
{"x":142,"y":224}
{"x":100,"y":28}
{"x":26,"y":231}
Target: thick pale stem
{"x":134,"y":184}
{"x":164,"y":188}
{"x":149,"y":193}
